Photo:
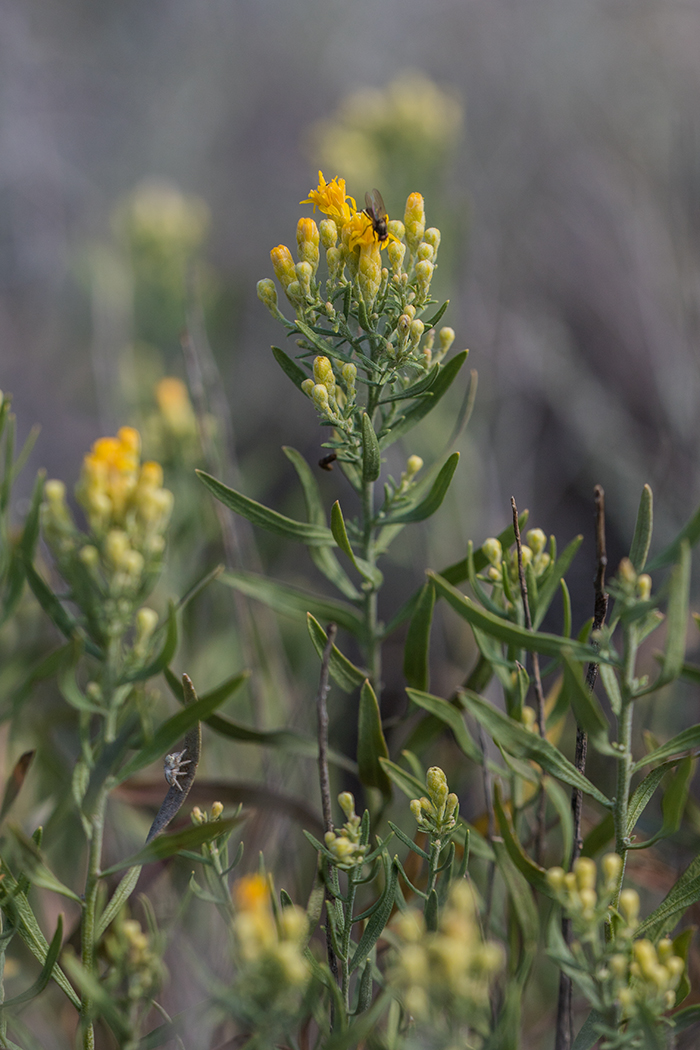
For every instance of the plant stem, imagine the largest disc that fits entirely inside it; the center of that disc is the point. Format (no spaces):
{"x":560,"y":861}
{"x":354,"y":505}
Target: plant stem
{"x":92,"y":883}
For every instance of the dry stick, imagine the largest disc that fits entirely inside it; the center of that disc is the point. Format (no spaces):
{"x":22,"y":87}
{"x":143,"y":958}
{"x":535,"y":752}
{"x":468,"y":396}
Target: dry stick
{"x":542,"y":806}
{"x":565,"y":1014}
{"x":324,"y":779}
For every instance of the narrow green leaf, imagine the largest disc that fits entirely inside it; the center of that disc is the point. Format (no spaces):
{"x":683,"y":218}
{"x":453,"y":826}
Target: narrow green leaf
{"x":306,"y":532}
{"x":612,"y":687}
{"x":451,"y":716}
{"x":416,"y":663}
{"x":673,"y":803}
{"x":432,"y":321}
{"x":126,"y":887}
{"x":690,"y":533}
{"x":46,"y":970}
{"x":447,"y":375}
{"x":289,"y":367}
{"x":378,"y":920}
{"x":341,"y":537}
{"x":30,"y":532}
{"x":415,"y":390}
{"x":23,"y":917}
{"x":168,"y":845}
{"x":683,"y":893}
{"x":326,"y":562}
{"x":371,"y":745}
{"x":641,"y":540}
{"x":677,"y":617}
{"x":411,"y":786}
{"x":687,"y":740}
{"x":681,"y":948}
{"x":644,"y":792}
{"x":586,"y":707}
{"x":589,"y":1032}
{"x":403,"y":837}
{"x":524,"y":909}
{"x":510,"y":633}
{"x":34,"y":866}
{"x":561,"y":800}
{"x":371,"y":456}
{"x":522,"y":743}
{"x":50,"y":603}
{"x":292,"y":601}
{"x":427,"y":507}
{"x":347,"y":676}
{"x":535,"y":875}
{"x":15,"y":782}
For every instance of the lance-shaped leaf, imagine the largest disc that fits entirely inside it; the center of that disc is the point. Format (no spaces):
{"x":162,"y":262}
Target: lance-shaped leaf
{"x":523,"y":907}
{"x":676,"y":618}
{"x":586,"y":707}
{"x":258,"y":514}
{"x":371,"y":745}
{"x":534,"y":873}
{"x":522,"y":743}
{"x":188,"y":762}
{"x":679,"y":898}
{"x":371,"y":456}
{"x":687,"y":740}
{"x":294,"y":602}
{"x":378,"y":919}
{"x":15,"y":782}
{"x":127,"y":885}
{"x":451,"y":716}
{"x":672,"y":804}
{"x":414,"y":390}
{"x":690,"y":533}
{"x":35,"y":867}
{"x":447,"y":375}
{"x":342,"y":670}
{"x":511,"y":633}
{"x":50,"y":603}
{"x":323,"y":557}
{"x":290,"y":368}
{"x":341,"y":537}
{"x":432,"y":501}
{"x":46,"y":970}
{"x":642,"y":530}
{"x":411,"y":786}
{"x":169,"y":733}
{"x":416,"y":664}
{"x":168,"y":845}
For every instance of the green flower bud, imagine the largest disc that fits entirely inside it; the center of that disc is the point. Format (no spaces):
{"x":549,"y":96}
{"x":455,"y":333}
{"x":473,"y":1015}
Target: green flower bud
{"x":432,"y":236}
{"x":447,"y":338}
{"x":308,"y":386}
{"x":537,"y":540}
{"x":329,"y":233}
{"x":267,"y":293}
{"x":320,"y":397}
{"x":436,"y":782}
{"x":493,"y":550}
{"x":644,"y":586}
{"x":323,"y":372}
{"x":413,"y":465}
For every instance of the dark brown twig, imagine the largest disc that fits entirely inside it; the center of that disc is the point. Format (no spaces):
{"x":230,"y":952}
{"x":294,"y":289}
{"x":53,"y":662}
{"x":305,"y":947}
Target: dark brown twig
{"x":324,"y":779}
{"x":565,"y":1015}
{"x":537,"y":681}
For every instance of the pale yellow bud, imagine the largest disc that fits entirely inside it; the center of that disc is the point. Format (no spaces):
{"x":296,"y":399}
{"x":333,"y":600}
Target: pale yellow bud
{"x":413,"y":465}
{"x":529,"y":717}
{"x":346,"y":801}
{"x":55,"y":491}
{"x":307,"y":243}
{"x":589,"y":899}
{"x":349,"y":374}
{"x":627,"y":572}
{"x":323,"y":372}
{"x":611,"y":865}
{"x":537,"y":540}
{"x":416,"y":332}
{"x":116,"y":546}
{"x":425,"y":251}
{"x":447,"y":338}
{"x":414,"y":220}
{"x":267,"y":293}
{"x":424,"y":275}
{"x":304,"y":272}
{"x":146,"y":623}
{"x":89,"y":556}
{"x":618,"y":965}
{"x":644,"y":586}
{"x":217,"y":809}
{"x":197,"y":816}
{"x":436,"y":782}
{"x":585,"y":871}
{"x":411,"y":311}
{"x":629,"y":906}
{"x":397,"y":229}
{"x":493,"y":550}
{"x":328,"y":232}
{"x":526,"y":555}
{"x":334,"y":261}
{"x":415,"y":807}
{"x":555,"y":878}
{"x":308,"y":386}
{"x":433,"y":236}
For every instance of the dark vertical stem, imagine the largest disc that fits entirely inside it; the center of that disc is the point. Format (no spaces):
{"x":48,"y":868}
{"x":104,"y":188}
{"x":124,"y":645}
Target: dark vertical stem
{"x":539,"y":694}
{"x":565,"y":1017}
{"x":324,"y":781}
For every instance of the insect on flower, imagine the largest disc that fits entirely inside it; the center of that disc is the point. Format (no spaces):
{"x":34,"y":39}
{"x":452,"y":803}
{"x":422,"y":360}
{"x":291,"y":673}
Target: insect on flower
{"x":172,"y":767}
{"x":376,"y":212}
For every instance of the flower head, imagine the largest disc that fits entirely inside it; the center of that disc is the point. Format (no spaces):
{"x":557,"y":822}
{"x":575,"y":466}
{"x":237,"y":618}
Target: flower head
{"x":332,"y":200}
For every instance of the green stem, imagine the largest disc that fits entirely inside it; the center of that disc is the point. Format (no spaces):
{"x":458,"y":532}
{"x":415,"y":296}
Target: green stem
{"x":347,"y":934}
{"x":625,"y":760}
{"x":92,"y":884}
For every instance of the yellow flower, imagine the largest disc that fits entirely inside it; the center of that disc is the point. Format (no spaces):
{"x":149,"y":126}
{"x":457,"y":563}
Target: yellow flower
{"x":332,"y":200}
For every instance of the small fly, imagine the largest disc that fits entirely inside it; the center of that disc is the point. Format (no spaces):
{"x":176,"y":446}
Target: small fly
{"x":376,"y":212}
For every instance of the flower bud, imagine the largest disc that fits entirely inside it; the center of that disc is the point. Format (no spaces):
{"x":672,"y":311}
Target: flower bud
{"x":307,"y":242}
{"x":328,"y":232}
{"x":267,"y":293}
{"x":308,"y":386}
{"x":413,"y":465}
{"x":305,"y":272}
{"x":555,"y":878}
{"x":396,"y":228}
{"x":323,"y":372}
{"x":629,"y":906}
{"x":197,"y":816}
{"x":349,"y":375}
{"x":612,"y":866}
{"x":55,"y":492}
{"x":283,"y":265}
{"x":537,"y":540}
{"x":436,"y":782}
{"x":424,"y":275}
{"x":447,"y":338}
{"x":432,"y":237}
{"x":320,"y":397}
{"x":217,"y":809}
{"x":146,"y":623}
{"x":493,"y":550}
{"x":644,"y":586}
{"x":425,"y":251}
{"x":585,"y":871}
{"x":415,"y":808}
{"x":346,"y":801}
{"x":116,"y":546}
{"x":414,"y":220}
{"x":89,"y":556}
{"x":416,"y":332}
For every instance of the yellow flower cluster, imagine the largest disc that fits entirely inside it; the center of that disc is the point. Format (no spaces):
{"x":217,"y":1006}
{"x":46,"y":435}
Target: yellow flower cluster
{"x":345,"y":846}
{"x":118,"y":492}
{"x":437,"y":815}
{"x":631,"y":972}
{"x":533,"y":553}
{"x":446,"y":972}
{"x":270,"y":946}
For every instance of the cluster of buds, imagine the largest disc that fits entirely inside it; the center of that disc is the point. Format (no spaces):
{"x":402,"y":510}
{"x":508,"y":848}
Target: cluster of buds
{"x":630,"y":973}
{"x":533,"y":553}
{"x":445,"y":974}
{"x":332,"y":394}
{"x":631,"y":586}
{"x":135,"y":963}
{"x":199,"y":816}
{"x":346,"y":847}
{"x":269,"y":944}
{"x":436,"y":815}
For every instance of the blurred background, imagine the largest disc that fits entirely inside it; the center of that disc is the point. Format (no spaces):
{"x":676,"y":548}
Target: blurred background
{"x":558,"y":148}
